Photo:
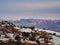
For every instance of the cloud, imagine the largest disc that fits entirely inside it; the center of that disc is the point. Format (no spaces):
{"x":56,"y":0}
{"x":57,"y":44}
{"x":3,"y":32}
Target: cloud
{"x":30,"y":15}
{"x":30,"y":9}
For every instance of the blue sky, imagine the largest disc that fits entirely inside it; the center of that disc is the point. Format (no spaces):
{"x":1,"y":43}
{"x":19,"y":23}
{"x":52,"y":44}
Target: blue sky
{"x":40,"y":9}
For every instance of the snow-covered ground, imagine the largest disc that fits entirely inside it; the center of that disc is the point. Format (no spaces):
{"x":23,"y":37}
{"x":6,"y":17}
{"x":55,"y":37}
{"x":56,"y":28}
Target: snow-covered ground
{"x":25,"y":30}
{"x":56,"y":40}
{"x":49,"y":31}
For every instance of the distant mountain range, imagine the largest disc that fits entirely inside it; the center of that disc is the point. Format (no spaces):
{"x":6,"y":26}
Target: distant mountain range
{"x":39,"y":23}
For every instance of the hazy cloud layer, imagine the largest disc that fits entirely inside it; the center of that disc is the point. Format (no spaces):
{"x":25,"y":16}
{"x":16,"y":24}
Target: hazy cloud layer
{"x":43,"y":9}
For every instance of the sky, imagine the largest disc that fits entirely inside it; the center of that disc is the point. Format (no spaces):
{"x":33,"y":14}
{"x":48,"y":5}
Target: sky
{"x":24,"y":9}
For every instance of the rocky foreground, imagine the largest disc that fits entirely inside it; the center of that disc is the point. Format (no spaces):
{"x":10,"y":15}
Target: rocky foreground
{"x":10,"y":34}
